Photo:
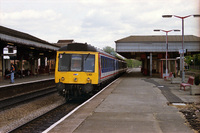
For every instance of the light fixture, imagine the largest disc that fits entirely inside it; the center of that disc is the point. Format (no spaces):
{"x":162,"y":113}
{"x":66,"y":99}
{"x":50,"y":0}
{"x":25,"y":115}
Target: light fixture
{"x":196,"y":15}
{"x":10,"y":43}
{"x":75,"y":79}
{"x":166,"y":16}
{"x":166,"y":68}
{"x":62,"y":78}
{"x":182,"y":73}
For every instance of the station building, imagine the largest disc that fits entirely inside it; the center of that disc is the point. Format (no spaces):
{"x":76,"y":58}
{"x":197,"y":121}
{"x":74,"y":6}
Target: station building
{"x":151,"y":50}
{"x":30,"y":54}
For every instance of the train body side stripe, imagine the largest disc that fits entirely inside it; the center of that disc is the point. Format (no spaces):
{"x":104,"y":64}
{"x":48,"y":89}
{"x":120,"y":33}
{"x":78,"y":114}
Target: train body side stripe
{"x":109,"y":75}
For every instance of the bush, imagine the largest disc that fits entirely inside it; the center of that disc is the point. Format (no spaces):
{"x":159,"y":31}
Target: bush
{"x":196,"y":80}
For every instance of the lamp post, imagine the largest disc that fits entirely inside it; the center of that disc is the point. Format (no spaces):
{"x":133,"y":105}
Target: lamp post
{"x":182,"y":51}
{"x":166,"y":31}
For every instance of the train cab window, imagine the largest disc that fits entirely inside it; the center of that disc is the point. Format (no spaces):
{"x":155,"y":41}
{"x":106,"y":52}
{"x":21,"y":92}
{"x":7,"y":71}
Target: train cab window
{"x":64,"y":60}
{"x":88,"y":63}
{"x":76,"y":62}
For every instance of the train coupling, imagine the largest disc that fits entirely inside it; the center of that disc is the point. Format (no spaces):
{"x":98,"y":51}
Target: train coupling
{"x":60,"y":88}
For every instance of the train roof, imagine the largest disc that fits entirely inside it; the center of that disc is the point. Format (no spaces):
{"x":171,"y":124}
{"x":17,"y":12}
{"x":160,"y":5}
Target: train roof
{"x":78,"y":47}
{"x":84,"y":47}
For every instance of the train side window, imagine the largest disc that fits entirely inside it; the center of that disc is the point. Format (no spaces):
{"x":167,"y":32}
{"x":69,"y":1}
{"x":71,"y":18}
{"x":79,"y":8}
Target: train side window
{"x":101,"y":62}
{"x":64,"y":61}
{"x":104,"y":62}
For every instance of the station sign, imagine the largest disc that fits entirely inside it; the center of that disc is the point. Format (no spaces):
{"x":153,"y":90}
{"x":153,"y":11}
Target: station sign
{"x":182,"y":51}
{"x":10,"y":51}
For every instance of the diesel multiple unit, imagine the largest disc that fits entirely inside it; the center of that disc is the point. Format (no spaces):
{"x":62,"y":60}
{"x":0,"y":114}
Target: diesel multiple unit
{"x":82,"y":68}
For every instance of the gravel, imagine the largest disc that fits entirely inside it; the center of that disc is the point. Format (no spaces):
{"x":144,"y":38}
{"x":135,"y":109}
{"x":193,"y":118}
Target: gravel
{"x":14,"y":117}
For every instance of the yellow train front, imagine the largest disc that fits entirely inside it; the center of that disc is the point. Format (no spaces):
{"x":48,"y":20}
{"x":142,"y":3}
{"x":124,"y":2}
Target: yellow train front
{"x":79,"y":69}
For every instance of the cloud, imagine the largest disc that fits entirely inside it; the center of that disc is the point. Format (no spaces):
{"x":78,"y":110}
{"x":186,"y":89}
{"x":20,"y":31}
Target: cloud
{"x":98,"y":22}
{"x":98,"y":18}
{"x":46,"y":23}
{"x":30,"y":20}
{"x":30,"y":15}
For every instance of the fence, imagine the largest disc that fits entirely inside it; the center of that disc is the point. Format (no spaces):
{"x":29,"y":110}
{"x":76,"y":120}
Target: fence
{"x":195,"y":67}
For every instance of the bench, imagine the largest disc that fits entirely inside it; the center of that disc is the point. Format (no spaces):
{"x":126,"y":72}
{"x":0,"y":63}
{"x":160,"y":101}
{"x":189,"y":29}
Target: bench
{"x":170,"y":76}
{"x":189,"y":83}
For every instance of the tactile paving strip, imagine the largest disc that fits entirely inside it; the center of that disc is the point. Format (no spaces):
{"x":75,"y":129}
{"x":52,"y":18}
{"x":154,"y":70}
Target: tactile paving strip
{"x":166,"y":92}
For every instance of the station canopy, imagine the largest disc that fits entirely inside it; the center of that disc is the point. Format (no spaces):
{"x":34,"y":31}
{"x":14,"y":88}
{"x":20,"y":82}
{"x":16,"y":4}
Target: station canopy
{"x":13,"y":37}
{"x":134,"y":46}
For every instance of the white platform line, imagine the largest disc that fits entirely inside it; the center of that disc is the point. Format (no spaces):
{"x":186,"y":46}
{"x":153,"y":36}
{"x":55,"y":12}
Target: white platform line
{"x":63,"y":118}
{"x":25,"y":82}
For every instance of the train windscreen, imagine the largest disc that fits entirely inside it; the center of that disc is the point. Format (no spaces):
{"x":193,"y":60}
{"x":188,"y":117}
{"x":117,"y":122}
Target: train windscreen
{"x":64,"y":61}
{"x":76,"y":62}
{"x":88,"y":63}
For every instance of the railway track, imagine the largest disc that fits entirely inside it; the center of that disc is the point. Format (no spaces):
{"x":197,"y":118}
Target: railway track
{"x":10,"y":106}
{"x":27,"y":97}
{"x":46,"y":120}
{"x":19,"y":112}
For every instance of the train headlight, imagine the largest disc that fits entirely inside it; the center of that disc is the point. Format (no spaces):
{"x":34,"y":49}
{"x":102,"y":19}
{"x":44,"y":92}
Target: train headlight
{"x":89,"y":80}
{"x":75,"y":79}
{"x":62,"y":79}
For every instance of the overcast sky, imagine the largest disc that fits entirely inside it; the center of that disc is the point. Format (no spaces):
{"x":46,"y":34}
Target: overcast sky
{"x":97,"y":22}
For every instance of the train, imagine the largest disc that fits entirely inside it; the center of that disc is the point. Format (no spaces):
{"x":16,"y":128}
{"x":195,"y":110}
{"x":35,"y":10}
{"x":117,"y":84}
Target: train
{"x":82,"y":69}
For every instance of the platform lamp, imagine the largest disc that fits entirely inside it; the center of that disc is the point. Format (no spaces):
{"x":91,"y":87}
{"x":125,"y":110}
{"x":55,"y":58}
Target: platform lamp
{"x":182,"y":51}
{"x":166,"y":31}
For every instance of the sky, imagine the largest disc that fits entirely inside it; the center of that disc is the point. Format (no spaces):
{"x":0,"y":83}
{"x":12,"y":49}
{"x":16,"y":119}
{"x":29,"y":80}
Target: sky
{"x":98,"y":22}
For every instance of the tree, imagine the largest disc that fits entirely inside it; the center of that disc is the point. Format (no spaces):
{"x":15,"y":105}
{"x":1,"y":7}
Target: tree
{"x":193,"y":60}
{"x":197,"y":59}
{"x":133,"y":63}
{"x":188,"y":60}
{"x":109,"y":50}
{"x":129,"y":63}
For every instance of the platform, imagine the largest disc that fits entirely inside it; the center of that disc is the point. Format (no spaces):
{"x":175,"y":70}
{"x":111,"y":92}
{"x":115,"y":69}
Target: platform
{"x":25,"y":85}
{"x":27,"y":79}
{"x":129,"y":105}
